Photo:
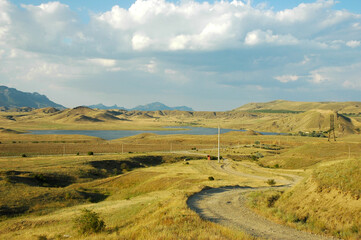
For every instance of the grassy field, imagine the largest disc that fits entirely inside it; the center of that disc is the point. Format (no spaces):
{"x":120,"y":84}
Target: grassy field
{"x":146,"y":202}
{"x":139,"y":185}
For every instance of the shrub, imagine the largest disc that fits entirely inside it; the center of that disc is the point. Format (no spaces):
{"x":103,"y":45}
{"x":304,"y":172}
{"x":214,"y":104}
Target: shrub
{"x":40,"y":177}
{"x":272,"y":199}
{"x":42,"y":237}
{"x":210,"y":178}
{"x":124,"y":166}
{"x":90,"y":153}
{"x":89,"y":222}
{"x":77,"y":153}
{"x":271,"y":182}
{"x":23,"y":155}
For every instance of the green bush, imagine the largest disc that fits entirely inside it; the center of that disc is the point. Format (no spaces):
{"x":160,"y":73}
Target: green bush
{"x":124,"y":166}
{"x":90,"y":153}
{"x":89,"y":222}
{"x":271,"y":182}
{"x":23,"y":155}
{"x":210,"y":178}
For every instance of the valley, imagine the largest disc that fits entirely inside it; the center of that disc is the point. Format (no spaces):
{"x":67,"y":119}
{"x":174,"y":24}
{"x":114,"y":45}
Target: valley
{"x":141,"y":186}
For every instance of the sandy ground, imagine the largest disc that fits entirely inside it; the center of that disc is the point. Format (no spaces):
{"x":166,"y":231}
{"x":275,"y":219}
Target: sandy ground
{"x":227,"y":206}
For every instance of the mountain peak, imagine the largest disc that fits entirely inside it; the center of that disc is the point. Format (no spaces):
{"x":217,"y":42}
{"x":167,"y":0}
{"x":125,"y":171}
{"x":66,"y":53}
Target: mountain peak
{"x":13,"y":98}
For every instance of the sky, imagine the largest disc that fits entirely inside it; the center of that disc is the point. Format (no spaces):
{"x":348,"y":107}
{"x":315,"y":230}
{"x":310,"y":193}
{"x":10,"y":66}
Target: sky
{"x":208,"y":55}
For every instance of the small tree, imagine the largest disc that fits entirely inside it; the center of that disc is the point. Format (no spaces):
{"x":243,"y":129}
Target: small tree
{"x":90,"y":153}
{"x":89,"y":222}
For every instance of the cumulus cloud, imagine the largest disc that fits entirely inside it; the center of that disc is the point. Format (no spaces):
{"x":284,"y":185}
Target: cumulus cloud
{"x":260,"y":37}
{"x":287,"y":78}
{"x":341,"y":76}
{"x":180,"y":42}
{"x":317,"y":78}
{"x":158,"y":25}
{"x":353,"y":44}
{"x":140,"y":41}
{"x":103,"y":62}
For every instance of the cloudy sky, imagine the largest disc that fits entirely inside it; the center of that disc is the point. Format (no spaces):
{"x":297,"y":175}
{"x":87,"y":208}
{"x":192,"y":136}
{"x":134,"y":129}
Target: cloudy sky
{"x":209,"y":55}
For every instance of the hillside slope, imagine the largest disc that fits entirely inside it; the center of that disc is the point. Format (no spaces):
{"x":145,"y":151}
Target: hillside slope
{"x":12,"y":98}
{"x":341,"y":107}
{"x":313,"y":120}
{"x":330,"y":189}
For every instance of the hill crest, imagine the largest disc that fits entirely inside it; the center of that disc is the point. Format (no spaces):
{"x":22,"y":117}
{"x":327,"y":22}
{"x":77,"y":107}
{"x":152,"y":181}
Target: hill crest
{"x":284,"y":105}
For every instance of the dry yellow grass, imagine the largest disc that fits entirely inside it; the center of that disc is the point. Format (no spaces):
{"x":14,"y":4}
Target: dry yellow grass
{"x":148,"y":203}
{"x":327,"y":202}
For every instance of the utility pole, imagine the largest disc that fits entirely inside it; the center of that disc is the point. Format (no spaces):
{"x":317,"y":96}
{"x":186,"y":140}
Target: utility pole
{"x":219,"y":131}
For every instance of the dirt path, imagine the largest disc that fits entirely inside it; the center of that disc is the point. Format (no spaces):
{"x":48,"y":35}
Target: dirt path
{"x":227,"y":206}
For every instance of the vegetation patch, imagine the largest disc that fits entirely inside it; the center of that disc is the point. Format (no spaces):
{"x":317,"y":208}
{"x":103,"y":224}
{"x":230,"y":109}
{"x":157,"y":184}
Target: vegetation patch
{"x":89,"y":222}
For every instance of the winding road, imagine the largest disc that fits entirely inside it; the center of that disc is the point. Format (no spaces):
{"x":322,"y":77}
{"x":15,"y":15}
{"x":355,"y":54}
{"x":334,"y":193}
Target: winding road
{"x":227,"y":207}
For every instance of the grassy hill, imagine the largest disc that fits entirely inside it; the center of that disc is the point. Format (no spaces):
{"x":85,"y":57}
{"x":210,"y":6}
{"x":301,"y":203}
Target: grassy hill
{"x":312,"y":120}
{"x":282,"y":121}
{"x":290,"y":106}
{"x":327,"y":202}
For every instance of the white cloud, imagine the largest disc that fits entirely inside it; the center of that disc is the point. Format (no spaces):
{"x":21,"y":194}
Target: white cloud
{"x":287,"y":78}
{"x":140,"y":41}
{"x":317,"y":77}
{"x":347,"y":76}
{"x":158,"y":25}
{"x":103,"y":62}
{"x":151,"y":67}
{"x":180,"y":42}
{"x":352,"y":85}
{"x":260,"y":37}
{"x":353,"y":44}
{"x":160,"y":42}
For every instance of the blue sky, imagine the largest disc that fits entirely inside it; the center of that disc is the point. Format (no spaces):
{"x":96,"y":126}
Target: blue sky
{"x":209,"y":55}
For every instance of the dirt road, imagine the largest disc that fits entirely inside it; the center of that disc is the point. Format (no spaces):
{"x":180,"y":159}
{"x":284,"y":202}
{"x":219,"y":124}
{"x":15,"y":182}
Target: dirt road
{"x":227,"y":206}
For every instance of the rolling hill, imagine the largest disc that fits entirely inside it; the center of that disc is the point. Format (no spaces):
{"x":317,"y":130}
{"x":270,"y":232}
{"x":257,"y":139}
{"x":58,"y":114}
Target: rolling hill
{"x":290,"y":106}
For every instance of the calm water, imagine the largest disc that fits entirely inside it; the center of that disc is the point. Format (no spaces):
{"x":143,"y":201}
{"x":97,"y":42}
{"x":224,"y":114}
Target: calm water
{"x":114,"y":134}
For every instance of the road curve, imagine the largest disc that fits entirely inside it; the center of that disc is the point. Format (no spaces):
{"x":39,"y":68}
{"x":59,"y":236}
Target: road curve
{"x":226,"y":206}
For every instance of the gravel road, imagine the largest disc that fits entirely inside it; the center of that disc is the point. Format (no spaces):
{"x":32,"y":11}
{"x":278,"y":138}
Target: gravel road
{"x":227,"y":207}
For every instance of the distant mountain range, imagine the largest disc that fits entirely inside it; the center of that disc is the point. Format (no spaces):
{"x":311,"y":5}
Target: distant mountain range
{"x":156,"y":106}
{"x":12,"y":98}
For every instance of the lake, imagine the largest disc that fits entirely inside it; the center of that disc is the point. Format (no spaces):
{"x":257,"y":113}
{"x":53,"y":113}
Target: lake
{"x":114,"y":134}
